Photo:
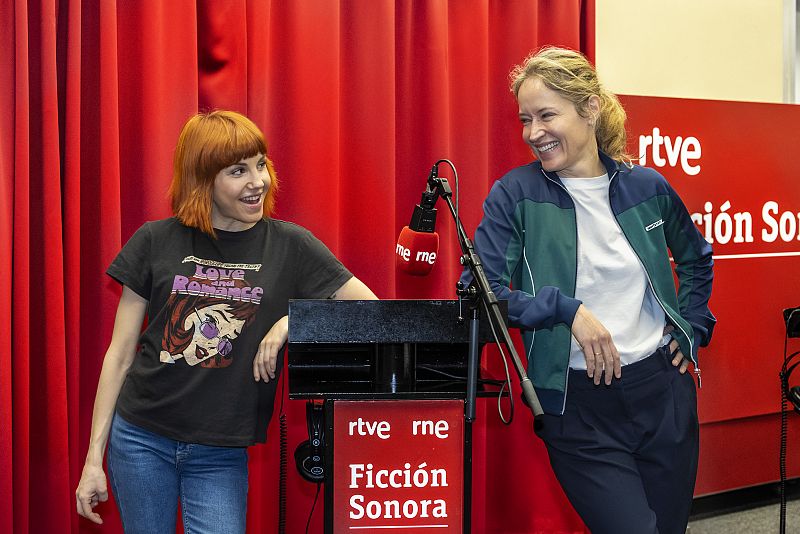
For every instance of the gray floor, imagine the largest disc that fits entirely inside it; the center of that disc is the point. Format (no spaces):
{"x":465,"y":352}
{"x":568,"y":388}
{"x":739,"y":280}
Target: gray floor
{"x":764,"y":520}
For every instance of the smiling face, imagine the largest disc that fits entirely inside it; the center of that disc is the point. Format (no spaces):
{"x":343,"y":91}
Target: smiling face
{"x":562,"y":139}
{"x":238,"y":194}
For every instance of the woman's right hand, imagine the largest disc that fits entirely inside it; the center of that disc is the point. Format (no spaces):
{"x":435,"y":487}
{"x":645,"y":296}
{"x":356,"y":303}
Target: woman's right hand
{"x":266,"y":359}
{"x":92,"y":489}
{"x":598,"y":347}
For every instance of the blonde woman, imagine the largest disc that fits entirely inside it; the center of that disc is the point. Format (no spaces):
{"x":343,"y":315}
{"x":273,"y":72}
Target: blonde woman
{"x":579,"y":242}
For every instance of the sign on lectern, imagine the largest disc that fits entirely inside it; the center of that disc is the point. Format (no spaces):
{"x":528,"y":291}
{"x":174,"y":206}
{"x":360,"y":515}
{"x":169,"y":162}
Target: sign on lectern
{"x":398,"y":464}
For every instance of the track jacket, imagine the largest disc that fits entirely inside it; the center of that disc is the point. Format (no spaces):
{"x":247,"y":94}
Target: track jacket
{"x":528,"y":240}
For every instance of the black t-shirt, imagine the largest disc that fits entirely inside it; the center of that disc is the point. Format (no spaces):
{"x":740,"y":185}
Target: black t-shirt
{"x":210,"y":303}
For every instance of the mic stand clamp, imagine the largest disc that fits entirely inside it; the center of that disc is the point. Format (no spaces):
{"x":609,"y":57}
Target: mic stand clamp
{"x":480,"y":291}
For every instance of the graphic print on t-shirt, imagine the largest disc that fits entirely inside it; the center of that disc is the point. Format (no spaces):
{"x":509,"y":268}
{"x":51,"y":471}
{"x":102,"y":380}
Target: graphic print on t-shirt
{"x":207,"y":311}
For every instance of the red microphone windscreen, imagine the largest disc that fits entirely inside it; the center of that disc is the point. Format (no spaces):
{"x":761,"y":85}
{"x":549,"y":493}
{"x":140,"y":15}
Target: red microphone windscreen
{"x":416,"y":251}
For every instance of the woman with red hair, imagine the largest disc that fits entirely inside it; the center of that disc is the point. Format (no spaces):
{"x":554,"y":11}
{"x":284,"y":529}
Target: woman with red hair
{"x":179,"y":402}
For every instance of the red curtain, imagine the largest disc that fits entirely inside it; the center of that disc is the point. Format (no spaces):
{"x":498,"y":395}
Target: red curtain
{"x":357,"y":99}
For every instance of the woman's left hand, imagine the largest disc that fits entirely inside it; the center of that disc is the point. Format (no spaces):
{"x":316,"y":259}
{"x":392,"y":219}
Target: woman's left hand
{"x":678,"y":358}
{"x":266,"y":359}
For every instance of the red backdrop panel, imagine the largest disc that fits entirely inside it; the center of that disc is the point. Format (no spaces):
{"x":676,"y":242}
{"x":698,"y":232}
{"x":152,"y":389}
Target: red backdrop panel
{"x":731,"y":163}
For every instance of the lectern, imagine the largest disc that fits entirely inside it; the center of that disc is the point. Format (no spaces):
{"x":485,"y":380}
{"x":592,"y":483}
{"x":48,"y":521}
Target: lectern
{"x":393,"y":375}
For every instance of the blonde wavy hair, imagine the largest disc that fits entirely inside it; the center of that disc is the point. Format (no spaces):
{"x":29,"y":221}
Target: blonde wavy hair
{"x":571,"y":75}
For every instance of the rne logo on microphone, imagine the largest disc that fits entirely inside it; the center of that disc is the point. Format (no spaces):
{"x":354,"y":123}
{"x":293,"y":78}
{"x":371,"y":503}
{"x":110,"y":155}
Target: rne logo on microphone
{"x":422,"y":256}
{"x":416,"y":251}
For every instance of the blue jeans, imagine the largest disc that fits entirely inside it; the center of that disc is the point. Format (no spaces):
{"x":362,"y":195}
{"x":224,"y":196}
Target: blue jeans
{"x":150,"y":473}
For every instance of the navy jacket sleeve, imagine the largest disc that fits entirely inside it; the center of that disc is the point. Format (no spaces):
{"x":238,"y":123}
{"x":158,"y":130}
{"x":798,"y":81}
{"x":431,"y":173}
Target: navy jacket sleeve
{"x":499,"y":241}
{"x":694,"y":267}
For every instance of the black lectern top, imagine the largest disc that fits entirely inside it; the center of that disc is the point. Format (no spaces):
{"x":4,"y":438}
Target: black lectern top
{"x":378,"y":349}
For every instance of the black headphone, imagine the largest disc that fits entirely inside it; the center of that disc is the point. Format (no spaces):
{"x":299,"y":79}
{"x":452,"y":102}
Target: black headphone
{"x":792,"y":393}
{"x":309,"y":456}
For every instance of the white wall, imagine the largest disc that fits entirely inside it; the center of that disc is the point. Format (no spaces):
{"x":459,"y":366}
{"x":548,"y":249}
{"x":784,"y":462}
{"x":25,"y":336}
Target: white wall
{"x":711,"y":49}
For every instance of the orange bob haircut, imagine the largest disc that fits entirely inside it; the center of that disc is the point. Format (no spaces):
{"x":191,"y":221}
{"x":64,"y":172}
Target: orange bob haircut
{"x":208,"y":143}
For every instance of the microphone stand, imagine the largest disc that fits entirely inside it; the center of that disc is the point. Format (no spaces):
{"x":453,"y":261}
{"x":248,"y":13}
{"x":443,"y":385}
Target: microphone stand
{"x":484,"y":294}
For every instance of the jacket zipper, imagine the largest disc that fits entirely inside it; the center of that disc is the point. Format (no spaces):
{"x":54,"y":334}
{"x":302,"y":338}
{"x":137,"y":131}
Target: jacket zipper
{"x":652,"y":288}
{"x":533,"y":286}
{"x":574,"y":281}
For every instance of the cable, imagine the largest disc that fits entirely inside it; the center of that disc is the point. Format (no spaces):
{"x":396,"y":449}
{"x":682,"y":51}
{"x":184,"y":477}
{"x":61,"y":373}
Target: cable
{"x":489,"y":381}
{"x":455,"y":177}
{"x":782,"y":454}
{"x":494,"y":333}
{"x":283,"y":463}
{"x":313,"y":505}
{"x":508,"y":377}
{"x":786,"y":369}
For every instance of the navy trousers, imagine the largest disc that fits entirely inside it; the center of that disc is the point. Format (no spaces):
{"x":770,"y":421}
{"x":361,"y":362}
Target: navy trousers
{"x":626,"y":454}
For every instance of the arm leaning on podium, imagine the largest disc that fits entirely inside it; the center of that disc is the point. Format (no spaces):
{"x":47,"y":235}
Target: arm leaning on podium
{"x":267,"y":356}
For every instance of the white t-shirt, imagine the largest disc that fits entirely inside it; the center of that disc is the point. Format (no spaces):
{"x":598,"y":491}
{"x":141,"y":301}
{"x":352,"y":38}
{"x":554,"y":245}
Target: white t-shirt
{"x":611,"y":280}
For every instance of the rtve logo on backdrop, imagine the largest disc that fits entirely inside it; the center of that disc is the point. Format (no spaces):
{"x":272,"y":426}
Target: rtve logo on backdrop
{"x":686,"y":151}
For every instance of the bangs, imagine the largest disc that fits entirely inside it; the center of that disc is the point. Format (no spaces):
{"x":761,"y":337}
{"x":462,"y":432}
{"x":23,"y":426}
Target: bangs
{"x":227,"y":141}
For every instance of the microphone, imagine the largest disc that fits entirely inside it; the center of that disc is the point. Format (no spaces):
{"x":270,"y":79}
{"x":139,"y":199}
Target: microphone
{"x":418,"y":243}
{"x":416,"y":251}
